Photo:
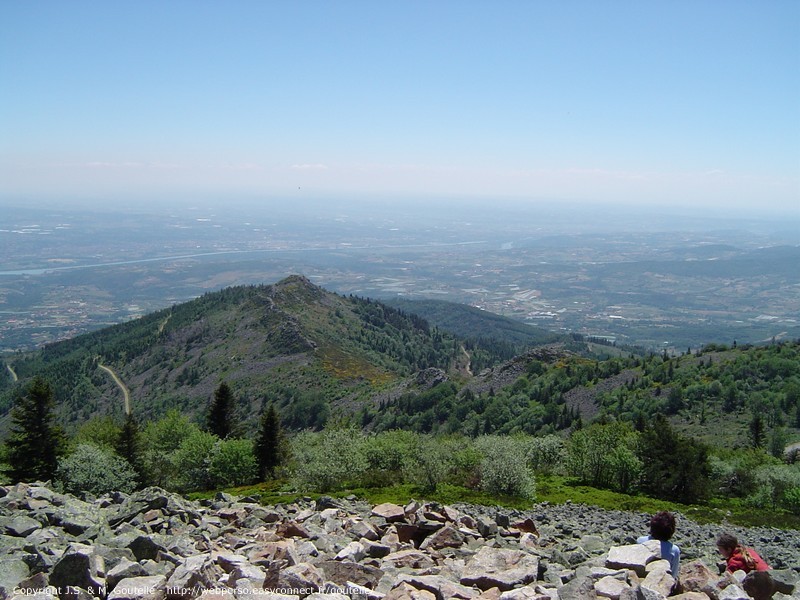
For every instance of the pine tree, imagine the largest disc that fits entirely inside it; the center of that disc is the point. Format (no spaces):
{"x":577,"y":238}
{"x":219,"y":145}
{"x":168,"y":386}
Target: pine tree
{"x":268,"y":444}
{"x":674,"y":467}
{"x":129,"y":446}
{"x":35,"y":442}
{"x":757,"y":431}
{"x":220,"y":415}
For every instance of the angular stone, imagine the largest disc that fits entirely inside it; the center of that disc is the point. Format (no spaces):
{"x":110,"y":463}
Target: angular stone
{"x":634,"y":557}
{"x":144,"y":547}
{"x":405,"y":591}
{"x":353,"y":552}
{"x":610,"y":587}
{"x":252,"y":573}
{"x":580,"y":588}
{"x":363,"y":529}
{"x":412,"y":559}
{"x":487,"y":527}
{"x":285,"y":550}
{"x":40,"y":595}
{"x":390,"y":512}
{"x":19,"y":525}
{"x":697,"y":577}
{"x":733,"y":592}
{"x":303,"y":576}
{"x":342,"y":573}
{"x":38,"y":581}
{"x":375,"y":550}
{"x":446,"y":537}
{"x":690,"y":596}
{"x":441,"y":586}
{"x":526,"y":526}
{"x":228,"y":561}
{"x":193,"y":575}
{"x":501,"y":568}
{"x":79,"y":566}
{"x":139,"y":588}
{"x":12,"y":572}
{"x":659,"y":580}
{"x":291,"y":529}
{"x":643,"y":593}
{"x":124,"y":569}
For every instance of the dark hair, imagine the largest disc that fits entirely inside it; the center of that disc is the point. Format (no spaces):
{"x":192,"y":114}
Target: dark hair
{"x":662,"y":525}
{"x":727,"y":541}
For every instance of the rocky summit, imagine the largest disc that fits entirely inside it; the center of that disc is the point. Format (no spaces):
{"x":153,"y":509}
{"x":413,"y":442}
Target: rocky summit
{"x":154,"y":545}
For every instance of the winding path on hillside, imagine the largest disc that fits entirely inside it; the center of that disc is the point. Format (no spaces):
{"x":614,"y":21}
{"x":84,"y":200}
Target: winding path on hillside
{"x":125,"y":393}
{"x":14,"y":377}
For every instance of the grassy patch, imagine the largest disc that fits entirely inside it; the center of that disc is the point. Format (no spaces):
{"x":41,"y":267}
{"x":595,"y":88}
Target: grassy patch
{"x":558,"y":490}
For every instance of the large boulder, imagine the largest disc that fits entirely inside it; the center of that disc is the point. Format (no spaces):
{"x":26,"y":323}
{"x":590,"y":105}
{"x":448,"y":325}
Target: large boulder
{"x":79,"y":566}
{"x":501,"y":568}
{"x":634,"y":557}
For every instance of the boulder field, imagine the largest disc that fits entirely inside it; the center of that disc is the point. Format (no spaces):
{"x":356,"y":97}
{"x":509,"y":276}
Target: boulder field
{"x":156,"y":545}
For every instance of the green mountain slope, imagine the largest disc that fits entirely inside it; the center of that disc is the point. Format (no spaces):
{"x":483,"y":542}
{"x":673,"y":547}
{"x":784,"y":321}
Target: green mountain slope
{"x":719,"y":396}
{"x":320,"y":355}
{"x":291,"y":341}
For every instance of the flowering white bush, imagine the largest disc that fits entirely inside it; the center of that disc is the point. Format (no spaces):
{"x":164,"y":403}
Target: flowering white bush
{"x":93,"y":470}
{"x":778,"y":486}
{"x":504,"y":469}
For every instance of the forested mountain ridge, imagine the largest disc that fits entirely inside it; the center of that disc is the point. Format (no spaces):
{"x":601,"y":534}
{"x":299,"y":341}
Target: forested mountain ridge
{"x":319,"y":355}
{"x":291,"y":341}
{"x":727,"y":397}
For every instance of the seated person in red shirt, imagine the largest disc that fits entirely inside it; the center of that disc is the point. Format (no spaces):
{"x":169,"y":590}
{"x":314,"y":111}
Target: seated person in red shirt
{"x":739,"y":558}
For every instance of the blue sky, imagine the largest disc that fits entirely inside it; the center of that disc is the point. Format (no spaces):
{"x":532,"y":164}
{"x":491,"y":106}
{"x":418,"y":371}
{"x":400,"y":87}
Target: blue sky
{"x":689,"y":103}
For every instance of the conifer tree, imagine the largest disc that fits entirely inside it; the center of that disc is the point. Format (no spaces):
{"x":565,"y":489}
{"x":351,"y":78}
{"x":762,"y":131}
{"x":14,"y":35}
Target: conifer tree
{"x":268,"y":443}
{"x":129,"y":446}
{"x":35,"y":442}
{"x":220,"y":415}
{"x":757,"y":431}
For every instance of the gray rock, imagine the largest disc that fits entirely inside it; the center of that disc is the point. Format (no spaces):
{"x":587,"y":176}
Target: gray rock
{"x":197,"y":572}
{"x":634,"y":557}
{"x":139,"y":588}
{"x":12,"y":572}
{"x":79,"y":566}
{"x":342,"y":573}
{"x":500,"y":568}
{"x":124,"y":569}
{"x":733,"y":592}
{"x":303,"y":576}
{"x":390,"y":512}
{"x":578,"y":589}
{"x":19,"y":525}
{"x":252,"y":573}
{"x":610,"y":587}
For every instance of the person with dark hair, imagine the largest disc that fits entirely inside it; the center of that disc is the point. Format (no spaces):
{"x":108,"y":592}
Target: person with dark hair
{"x":738,"y":557}
{"x":662,"y":527}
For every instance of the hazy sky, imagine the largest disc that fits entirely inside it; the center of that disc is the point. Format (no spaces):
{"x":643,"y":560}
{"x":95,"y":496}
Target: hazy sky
{"x":682,"y":102}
